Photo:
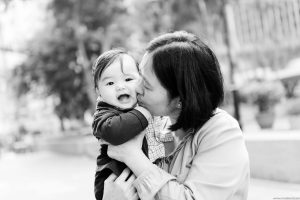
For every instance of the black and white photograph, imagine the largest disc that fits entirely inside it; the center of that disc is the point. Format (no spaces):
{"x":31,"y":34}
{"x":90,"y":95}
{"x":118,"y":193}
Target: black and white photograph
{"x":150,"y":99}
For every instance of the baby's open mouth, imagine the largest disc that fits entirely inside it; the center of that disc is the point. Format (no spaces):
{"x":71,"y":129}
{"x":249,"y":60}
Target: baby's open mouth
{"x":123,"y":97}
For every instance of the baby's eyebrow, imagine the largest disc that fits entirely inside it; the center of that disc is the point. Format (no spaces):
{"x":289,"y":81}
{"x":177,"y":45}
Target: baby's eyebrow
{"x":128,"y":74}
{"x":106,"y":78}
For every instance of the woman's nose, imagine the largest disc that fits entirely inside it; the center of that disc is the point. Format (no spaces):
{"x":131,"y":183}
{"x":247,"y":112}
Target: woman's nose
{"x":140,"y":89}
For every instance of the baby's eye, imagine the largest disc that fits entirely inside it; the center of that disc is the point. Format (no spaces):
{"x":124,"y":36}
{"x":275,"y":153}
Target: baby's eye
{"x":128,"y":79}
{"x":110,"y":83}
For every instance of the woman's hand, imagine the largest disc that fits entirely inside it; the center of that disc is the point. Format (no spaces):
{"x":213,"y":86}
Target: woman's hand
{"x":116,"y":188}
{"x":132,"y":155}
{"x":126,"y":150}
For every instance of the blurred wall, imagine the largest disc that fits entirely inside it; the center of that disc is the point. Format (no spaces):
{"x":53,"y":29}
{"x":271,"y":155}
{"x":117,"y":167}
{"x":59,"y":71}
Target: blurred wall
{"x":274,"y":156}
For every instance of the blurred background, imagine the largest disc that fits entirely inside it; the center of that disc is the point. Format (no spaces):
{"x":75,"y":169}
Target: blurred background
{"x":47,"y":98}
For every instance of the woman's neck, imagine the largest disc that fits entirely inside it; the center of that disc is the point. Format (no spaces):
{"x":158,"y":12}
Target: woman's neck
{"x":179,"y":134}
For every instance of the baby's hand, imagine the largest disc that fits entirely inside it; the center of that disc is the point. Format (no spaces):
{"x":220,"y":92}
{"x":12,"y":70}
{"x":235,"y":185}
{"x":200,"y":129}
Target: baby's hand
{"x":144,"y":111}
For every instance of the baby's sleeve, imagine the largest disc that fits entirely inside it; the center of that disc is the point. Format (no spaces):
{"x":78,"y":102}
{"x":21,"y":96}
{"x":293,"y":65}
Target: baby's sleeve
{"x":117,"y":128}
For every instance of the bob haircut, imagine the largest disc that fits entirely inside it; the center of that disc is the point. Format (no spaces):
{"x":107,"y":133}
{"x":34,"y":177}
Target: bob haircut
{"x":104,"y":60}
{"x":187,"y":68}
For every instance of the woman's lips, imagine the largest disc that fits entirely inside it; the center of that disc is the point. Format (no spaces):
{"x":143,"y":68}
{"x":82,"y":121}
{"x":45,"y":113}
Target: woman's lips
{"x":138,"y":97}
{"x":140,"y":102}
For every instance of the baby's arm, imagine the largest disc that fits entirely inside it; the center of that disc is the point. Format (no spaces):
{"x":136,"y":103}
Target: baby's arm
{"x":144,"y":111}
{"x":117,"y":128}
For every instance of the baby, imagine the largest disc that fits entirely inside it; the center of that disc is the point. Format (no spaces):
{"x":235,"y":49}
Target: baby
{"x":118,"y":118}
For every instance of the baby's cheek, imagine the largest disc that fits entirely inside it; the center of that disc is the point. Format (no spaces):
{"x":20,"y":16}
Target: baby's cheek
{"x":139,"y":87}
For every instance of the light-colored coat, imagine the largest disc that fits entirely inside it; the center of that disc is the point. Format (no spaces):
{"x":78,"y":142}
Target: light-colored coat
{"x":212,"y":164}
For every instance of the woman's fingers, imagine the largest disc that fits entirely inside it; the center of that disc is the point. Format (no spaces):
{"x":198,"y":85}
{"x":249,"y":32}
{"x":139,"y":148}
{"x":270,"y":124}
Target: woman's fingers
{"x":123,"y":176}
{"x":131,"y":179}
{"x":120,"y":188}
{"x":131,"y":192}
{"x":111,"y":178}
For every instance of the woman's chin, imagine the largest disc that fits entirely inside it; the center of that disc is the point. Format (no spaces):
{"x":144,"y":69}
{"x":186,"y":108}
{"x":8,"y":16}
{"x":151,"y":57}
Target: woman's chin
{"x":141,"y":104}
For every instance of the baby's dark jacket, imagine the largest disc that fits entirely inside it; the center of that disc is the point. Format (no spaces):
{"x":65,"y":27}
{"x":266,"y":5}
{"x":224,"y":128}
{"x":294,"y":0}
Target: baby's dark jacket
{"x":117,"y":126}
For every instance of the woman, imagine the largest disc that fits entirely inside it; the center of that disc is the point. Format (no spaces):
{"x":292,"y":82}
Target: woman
{"x":208,"y":158}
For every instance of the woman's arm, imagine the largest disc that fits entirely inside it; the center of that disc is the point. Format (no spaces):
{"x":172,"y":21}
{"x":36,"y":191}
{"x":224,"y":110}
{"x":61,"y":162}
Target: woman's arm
{"x":130,"y":153}
{"x":219,"y":169}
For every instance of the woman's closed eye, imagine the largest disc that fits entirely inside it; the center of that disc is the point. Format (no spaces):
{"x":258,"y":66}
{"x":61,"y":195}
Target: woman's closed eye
{"x":145,"y":85}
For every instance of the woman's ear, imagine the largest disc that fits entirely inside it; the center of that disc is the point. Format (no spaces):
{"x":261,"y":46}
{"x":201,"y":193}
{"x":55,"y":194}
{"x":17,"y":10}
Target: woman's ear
{"x":176,"y":103}
{"x":179,"y":105}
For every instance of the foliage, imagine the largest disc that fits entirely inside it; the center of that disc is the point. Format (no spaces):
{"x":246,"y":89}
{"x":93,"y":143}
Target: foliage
{"x":60,"y":60}
{"x":202,"y":17}
{"x":77,"y":31}
{"x":263,"y":94}
{"x":52,"y":69}
{"x":293,"y":107}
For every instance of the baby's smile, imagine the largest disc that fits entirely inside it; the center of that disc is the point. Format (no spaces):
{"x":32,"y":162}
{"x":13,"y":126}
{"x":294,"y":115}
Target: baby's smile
{"x":124,"y":98}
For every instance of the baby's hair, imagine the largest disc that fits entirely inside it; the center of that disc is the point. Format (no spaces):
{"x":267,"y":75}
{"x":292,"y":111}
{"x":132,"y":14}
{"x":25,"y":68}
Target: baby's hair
{"x":104,"y":60}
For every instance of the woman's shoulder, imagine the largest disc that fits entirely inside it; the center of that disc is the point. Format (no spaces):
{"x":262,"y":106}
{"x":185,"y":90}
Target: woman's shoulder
{"x":221,"y":118}
{"x":220,"y":125}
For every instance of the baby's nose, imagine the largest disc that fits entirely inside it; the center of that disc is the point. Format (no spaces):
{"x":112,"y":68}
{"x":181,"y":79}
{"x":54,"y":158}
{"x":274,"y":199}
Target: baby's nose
{"x":120,"y":87}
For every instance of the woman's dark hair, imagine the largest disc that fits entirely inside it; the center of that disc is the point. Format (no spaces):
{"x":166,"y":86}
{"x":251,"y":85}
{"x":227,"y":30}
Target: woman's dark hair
{"x":104,"y":60}
{"x":187,"y":68}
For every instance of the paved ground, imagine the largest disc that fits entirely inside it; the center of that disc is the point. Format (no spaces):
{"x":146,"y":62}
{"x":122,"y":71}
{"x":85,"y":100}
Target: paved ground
{"x":46,"y":176}
{"x":50,"y":176}
{"x":265,"y":190}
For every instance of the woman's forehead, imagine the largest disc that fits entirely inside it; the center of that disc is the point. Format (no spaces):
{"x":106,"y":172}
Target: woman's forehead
{"x":146,"y":63}
{"x":147,"y":71}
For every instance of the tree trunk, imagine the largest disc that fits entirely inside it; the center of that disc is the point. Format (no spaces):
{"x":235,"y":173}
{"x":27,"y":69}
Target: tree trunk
{"x":62,"y":124}
{"x":230,"y":41}
{"x":84,"y":61}
{"x":82,"y":57}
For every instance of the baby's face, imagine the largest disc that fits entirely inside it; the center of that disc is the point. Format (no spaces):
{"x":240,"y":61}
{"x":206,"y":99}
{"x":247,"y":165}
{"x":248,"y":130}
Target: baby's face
{"x":117,"y":85}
